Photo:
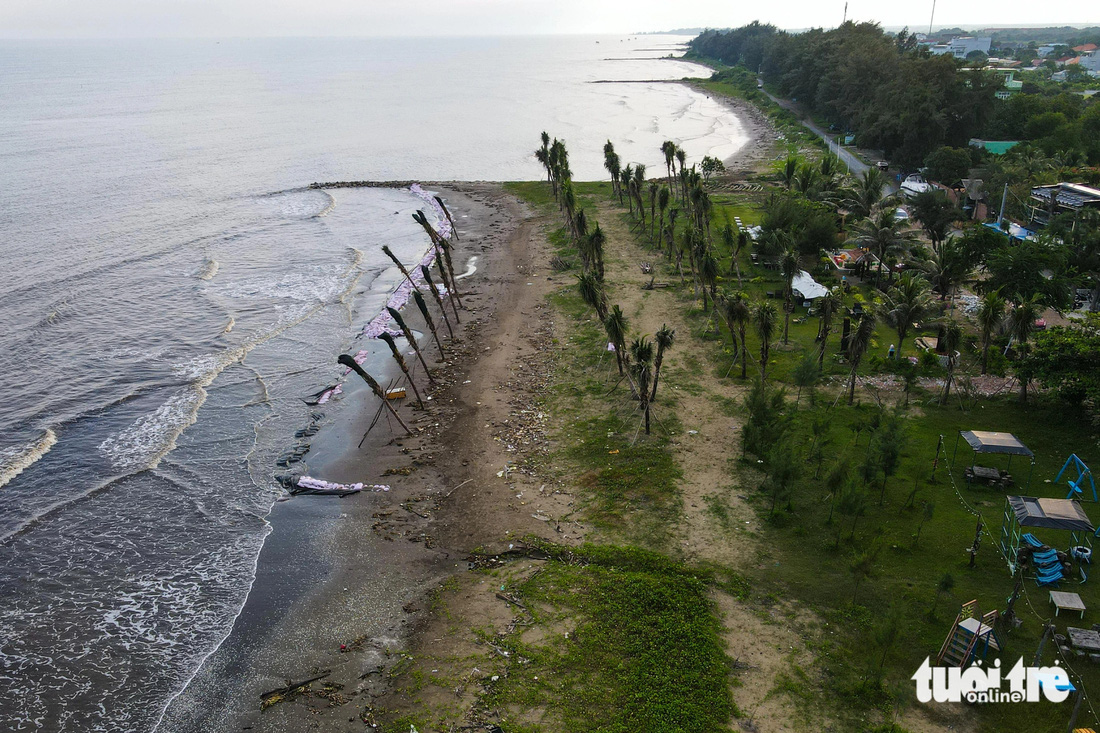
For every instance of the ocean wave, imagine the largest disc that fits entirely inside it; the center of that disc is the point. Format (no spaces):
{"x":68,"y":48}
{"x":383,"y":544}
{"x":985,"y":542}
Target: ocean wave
{"x":150,"y":437}
{"x":13,"y":461}
{"x":209,"y":269}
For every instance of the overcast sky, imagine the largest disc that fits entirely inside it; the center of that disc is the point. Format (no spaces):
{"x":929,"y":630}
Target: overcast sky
{"x":144,"y":18}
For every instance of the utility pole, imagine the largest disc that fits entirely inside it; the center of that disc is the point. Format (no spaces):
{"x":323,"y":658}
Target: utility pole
{"x":931,"y":17}
{"x":1004,"y":200}
{"x":845,"y":14}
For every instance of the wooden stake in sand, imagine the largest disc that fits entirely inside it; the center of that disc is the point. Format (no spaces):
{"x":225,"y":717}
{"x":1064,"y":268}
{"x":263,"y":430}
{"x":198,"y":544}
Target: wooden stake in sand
{"x":375,"y":387}
{"x":428,"y":319}
{"x":438,"y":300}
{"x":401,"y":363}
{"x":396,"y":316}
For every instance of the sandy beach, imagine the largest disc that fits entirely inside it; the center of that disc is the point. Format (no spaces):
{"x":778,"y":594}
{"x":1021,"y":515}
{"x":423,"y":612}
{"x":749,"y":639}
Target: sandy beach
{"x":344,"y":587}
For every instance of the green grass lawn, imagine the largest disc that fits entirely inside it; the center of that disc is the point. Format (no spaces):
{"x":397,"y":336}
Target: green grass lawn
{"x":811,"y":551}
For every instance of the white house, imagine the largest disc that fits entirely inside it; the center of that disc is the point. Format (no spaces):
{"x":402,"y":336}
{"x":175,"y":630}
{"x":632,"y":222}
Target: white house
{"x":1046,"y":50}
{"x":962,"y":47}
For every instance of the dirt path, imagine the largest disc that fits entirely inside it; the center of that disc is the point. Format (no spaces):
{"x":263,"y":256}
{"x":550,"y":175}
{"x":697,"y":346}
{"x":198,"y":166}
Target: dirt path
{"x":717,"y":525}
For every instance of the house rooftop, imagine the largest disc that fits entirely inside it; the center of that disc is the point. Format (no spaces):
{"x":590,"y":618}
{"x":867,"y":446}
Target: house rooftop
{"x":1085,"y":48}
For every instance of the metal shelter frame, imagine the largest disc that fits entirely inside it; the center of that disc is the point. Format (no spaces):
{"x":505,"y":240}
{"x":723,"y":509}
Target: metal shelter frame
{"x":983,"y":441}
{"x":1023,"y":513}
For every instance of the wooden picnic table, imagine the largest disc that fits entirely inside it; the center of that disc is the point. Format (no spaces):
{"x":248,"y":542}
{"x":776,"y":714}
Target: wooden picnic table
{"x":1064,"y":601}
{"x":1085,"y":639}
{"x":988,"y":475}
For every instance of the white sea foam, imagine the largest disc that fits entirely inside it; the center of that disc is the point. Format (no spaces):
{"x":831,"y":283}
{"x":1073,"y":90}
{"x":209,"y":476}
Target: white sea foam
{"x":151,"y":436}
{"x":13,"y":461}
{"x":208,"y":270}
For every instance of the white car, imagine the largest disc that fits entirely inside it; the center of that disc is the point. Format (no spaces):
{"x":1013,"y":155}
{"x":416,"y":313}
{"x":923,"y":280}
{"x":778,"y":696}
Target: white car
{"x":900,"y":214}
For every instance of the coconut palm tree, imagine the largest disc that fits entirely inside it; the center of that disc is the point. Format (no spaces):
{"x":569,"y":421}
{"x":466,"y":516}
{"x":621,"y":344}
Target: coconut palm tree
{"x":788,"y":265}
{"x":829,"y":305}
{"x":708,"y":275}
{"x":734,"y":243}
{"x":665,"y":338}
{"x":668,"y":149}
{"x":882,"y":234}
{"x":593,"y":294}
{"x":952,"y":338}
{"x":858,"y":343}
{"x":641,"y":351}
{"x":681,"y":158}
{"x":865,"y":195}
{"x":764,"y":318}
{"x":626,"y":175}
{"x":991,"y":315}
{"x":616,"y":327}
{"x":639,"y":188}
{"x":788,"y":171}
{"x":653,"y":188}
{"x":663,"y":197}
{"x":542,"y":155}
{"x":946,"y":268}
{"x":611,"y":163}
{"x":1021,"y":324}
{"x":738,"y":314}
{"x":908,"y":302}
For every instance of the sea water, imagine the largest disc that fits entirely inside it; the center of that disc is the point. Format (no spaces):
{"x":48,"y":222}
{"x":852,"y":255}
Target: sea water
{"x":172,"y":289}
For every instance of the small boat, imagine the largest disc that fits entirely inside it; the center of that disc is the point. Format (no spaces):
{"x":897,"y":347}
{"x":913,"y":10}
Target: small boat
{"x":914,"y":185}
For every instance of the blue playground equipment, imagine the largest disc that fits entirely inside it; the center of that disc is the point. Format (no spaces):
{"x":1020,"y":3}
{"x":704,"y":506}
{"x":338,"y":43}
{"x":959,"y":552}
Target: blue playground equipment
{"x":1083,"y":472}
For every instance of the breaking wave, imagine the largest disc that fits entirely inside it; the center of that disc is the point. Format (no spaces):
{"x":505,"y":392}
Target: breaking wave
{"x":13,"y":461}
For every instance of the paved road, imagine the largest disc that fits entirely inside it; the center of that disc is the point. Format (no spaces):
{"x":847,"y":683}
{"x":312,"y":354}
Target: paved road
{"x":856,"y":165}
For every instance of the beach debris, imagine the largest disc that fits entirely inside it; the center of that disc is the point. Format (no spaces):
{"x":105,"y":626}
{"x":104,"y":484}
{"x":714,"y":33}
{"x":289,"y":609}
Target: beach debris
{"x":443,"y":251}
{"x":408,"y":334}
{"x":320,"y":398}
{"x":423,"y":306}
{"x":375,"y":387}
{"x":310,"y":485}
{"x":292,"y":689}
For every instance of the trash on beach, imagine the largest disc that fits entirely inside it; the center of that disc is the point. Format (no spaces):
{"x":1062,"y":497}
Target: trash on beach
{"x":310,"y":485}
{"x":397,"y":393}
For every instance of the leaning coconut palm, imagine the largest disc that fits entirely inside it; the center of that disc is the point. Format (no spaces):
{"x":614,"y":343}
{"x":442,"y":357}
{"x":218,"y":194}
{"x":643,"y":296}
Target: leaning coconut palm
{"x":952,"y":339}
{"x":908,"y":302}
{"x":665,"y":338}
{"x":788,"y":265}
{"x":615,"y":325}
{"x":389,"y":253}
{"x":991,"y":315}
{"x":829,"y":305}
{"x":764,"y":317}
{"x":858,"y":343}
{"x":423,"y":306}
{"x":374,"y":387}
{"x":401,"y":363}
{"x":1021,"y":324}
{"x":593,"y":294}
{"x":443,"y":255}
{"x":447,"y":213}
{"x":436,"y":297}
{"x":641,"y":351}
{"x":882,"y":234}
{"x":396,"y":316}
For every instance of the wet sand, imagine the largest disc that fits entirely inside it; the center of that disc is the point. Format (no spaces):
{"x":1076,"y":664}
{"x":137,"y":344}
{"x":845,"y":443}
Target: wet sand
{"x":353,"y":572}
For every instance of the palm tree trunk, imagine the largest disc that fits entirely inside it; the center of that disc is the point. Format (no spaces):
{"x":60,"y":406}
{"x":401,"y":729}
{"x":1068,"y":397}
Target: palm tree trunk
{"x":374,"y":386}
{"x":744,"y":356}
{"x":852,"y":386}
{"x":404,"y":367}
{"x":423,"y":306}
{"x":411,"y":339}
